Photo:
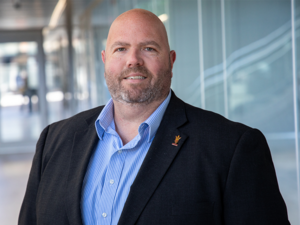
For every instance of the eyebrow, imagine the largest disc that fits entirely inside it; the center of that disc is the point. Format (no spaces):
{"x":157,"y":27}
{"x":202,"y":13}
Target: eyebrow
{"x":151,"y":43}
{"x":120,"y":43}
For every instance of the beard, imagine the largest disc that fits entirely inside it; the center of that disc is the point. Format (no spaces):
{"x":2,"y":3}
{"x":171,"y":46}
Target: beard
{"x":139,"y":93}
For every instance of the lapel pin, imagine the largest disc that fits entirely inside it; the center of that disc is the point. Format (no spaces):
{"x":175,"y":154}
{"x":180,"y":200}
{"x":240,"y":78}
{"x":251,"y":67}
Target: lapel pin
{"x":177,"y":138}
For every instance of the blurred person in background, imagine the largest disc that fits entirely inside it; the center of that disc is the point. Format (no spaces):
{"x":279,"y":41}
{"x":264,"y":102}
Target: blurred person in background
{"x":146,"y":157}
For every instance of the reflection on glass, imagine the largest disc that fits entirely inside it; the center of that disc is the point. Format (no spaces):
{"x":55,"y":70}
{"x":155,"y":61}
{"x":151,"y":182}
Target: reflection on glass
{"x":19,"y":101}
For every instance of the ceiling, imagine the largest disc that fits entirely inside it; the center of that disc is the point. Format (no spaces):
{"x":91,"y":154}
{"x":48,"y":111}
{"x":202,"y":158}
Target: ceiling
{"x":31,"y":14}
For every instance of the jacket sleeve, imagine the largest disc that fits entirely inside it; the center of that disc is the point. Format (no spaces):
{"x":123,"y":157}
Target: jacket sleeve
{"x":28,"y":209}
{"x":252,"y":194}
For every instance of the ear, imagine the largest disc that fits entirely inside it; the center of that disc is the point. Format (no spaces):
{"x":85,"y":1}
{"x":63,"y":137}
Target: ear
{"x":103,"y":56}
{"x":172,"y":58}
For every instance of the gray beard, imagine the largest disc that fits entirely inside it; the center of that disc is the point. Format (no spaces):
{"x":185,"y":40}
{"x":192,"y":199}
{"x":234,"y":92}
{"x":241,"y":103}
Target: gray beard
{"x":139,"y":95}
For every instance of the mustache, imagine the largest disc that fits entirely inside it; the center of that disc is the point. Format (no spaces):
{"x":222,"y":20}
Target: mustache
{"x":141,"y":70}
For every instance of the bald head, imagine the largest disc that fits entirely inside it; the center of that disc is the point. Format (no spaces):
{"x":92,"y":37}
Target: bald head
{"x":138,"y":18}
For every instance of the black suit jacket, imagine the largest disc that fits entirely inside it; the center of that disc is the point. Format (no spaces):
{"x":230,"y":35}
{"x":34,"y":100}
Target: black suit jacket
{"x":221,"y":172}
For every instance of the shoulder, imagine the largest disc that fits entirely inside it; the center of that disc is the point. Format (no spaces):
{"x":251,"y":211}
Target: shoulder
{"x":219,"y":138}
{"x":200,"y":122}
{"x":215,"y":129}
{"x":212,"y":121}
{"x":77,"y":122}
{"x":57,"y":138}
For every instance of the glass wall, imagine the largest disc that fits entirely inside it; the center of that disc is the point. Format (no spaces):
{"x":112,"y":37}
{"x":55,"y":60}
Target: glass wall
{"x":234,"y":57}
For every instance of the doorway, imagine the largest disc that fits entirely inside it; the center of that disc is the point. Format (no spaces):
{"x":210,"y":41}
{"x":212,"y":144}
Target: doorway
{"x":23,"y":112}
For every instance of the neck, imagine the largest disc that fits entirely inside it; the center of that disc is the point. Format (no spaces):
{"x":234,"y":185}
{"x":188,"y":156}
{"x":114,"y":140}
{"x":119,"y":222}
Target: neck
{"x":129,"y":117}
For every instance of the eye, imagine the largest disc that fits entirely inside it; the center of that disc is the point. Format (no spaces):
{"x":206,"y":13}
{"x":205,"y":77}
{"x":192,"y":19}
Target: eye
{"x":149,"y":49}
{"x":120,"y":49}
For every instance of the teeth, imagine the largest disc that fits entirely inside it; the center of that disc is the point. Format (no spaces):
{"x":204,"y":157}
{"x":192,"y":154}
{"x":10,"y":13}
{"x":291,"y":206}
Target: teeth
{"x":135,"y":77}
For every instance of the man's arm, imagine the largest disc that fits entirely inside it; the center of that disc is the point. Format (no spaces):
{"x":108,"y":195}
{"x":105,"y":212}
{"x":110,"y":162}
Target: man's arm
{"x":252,"y":194}
{"x":28,"y":210}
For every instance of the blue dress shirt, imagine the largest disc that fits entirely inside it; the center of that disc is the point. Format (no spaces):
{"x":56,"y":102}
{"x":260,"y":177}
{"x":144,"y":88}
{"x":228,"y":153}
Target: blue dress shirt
{"x":113,"y":167}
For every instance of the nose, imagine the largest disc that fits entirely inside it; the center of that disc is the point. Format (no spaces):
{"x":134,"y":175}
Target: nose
{"x":134,"y":58}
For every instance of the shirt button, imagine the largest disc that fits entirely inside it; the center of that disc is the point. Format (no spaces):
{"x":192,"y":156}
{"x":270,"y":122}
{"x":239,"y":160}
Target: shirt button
{"x":111,"y":181}
{"x":104,"y":215}
{"x":120,"y":151}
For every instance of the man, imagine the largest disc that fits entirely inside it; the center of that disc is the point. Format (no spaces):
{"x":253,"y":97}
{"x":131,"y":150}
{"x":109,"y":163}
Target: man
{"x":147,"y":157}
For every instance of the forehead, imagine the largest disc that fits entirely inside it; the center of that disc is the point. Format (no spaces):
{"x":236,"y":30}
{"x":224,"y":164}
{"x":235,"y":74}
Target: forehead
{"x":136,"y":30}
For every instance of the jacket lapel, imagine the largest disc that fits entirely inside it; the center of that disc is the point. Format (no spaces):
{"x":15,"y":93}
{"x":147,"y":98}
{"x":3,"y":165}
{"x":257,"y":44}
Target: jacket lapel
{"x":84,"y":143}
{"x":157,"y":161}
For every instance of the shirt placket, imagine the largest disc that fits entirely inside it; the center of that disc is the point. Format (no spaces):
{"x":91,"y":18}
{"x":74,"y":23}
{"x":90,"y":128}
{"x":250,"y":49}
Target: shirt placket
{"x":112,"y":179}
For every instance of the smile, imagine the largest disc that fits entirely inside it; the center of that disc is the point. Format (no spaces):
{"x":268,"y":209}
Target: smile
{"x":135,"y":77}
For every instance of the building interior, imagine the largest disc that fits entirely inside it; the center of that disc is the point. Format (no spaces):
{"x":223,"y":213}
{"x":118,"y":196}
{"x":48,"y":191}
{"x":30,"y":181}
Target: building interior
{"x":237,"y":58}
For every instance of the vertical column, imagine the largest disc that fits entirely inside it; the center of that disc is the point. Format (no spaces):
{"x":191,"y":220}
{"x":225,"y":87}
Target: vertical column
{"x":0,"y":111}
{"x":92,"y":75}
{"x":224,"y":58}
{"x":154,"y":6}
{"x":295,"y":96}
{"x":69,"y":28}
{"x":167,"y":11}
{"x":202,"y":80}
{"x":134,"y":3}
{"x":42,"y":81}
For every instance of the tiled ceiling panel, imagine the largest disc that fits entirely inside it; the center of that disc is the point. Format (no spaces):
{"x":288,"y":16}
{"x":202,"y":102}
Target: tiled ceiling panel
{"x":31,"y":14}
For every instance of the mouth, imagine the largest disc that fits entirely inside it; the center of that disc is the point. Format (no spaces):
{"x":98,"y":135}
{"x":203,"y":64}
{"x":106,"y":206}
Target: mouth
{"x":135,"y":77}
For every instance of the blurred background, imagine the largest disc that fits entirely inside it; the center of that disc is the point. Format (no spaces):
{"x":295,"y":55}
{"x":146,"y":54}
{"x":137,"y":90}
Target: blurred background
{"x":234,"y":57}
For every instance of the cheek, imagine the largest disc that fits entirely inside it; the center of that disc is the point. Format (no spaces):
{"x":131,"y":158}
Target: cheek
{"x":113,"y":67}
{"x":159,"y":68}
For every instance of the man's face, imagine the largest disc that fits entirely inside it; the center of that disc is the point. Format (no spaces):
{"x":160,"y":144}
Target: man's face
{"x":138,"y":63}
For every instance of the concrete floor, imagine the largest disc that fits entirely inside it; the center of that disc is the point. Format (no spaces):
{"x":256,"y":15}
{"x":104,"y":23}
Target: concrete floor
{"x":14,"y":171}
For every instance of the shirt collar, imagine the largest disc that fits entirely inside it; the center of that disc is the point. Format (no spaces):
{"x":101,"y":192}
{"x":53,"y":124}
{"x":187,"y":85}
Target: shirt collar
{"x":106,"y":118}
{"x":154,"y":120}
